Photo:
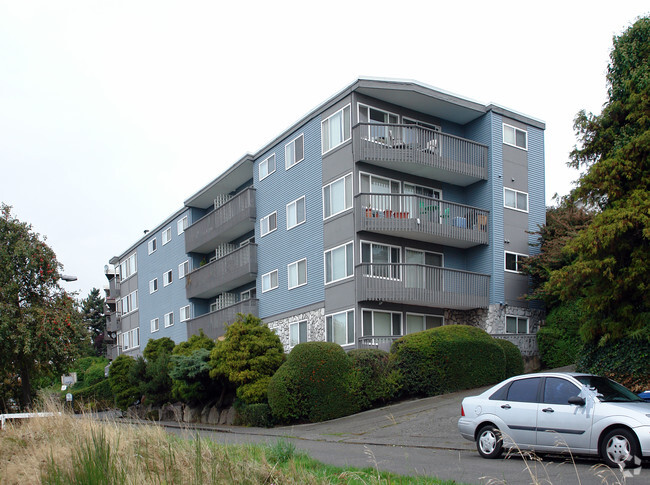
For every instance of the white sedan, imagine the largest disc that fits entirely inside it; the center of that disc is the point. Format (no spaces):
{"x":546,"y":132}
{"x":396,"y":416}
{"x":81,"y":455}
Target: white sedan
{"x":559,"y":412}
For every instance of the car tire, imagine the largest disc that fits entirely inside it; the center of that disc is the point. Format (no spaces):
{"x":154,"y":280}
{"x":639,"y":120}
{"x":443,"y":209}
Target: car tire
{"x":619,"y":449}
{"x":489,"y":442}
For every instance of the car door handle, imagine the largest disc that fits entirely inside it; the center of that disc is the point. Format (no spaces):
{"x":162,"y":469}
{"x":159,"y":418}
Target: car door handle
{"x":548,"y":410}
{"x":506,"y":406}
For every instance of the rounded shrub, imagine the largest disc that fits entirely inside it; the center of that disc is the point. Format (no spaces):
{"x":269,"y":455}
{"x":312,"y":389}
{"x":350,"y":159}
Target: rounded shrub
{"x":375,"y":380}
{"x":94,"y":374}
{"x":314,"y":384}
{"x":446,"y":359}
{"x":514,"y":360}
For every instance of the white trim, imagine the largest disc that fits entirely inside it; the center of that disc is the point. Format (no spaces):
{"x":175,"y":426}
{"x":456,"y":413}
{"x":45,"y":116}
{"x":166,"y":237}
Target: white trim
{"x":183,"y":273}
{"x":391,"y":313}
{"x":298,"y":322}
{"x":518,"y":255}
{"x":296,"y":205}
{"x":516,"y":193}
{"x":170,"y":280}
{"x":344,"y":245}
{"x":169,"y":238}
{"x":401,"y":262}
{"x":132,"y":302}
{"x":188,"y":313}
{"x":181,"y":225}
{"x":277,"y":280}
{"x":152,"y":243}
{"x":349,"y":133}
{"x":296,"y":162}
{"x":354,"y":325}
{"x":421,"y":124}
{"x":259,"y":167}
{"x":126,"y":263}
{"x":505,"y":322}
{"x":266,"y":218}
{"x":515,"y":135}
{"x":168,"y":320}
{"x":297,"y":265}
{"x":157,"y":327}
{"x":151,"y":284}
{"x":351,"y":175}
{"x":425,"y":315}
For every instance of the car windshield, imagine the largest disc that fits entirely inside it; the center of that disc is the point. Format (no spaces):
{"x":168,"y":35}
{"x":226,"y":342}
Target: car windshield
{"x":608,"y":390}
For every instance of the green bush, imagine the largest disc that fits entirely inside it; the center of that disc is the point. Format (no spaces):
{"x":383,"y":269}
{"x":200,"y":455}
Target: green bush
{"x":446,"y":359}
{"x":124,"y":389}
{"x":514,"y":360}
{"x":626,"y":360}
{"x":258,"y":415}
{"x":314,"y":384}
{"x":94,"y":374}
{"x":559,"y":339}
{"x":374,"y":380}
{"x":97,"y":396}
{"x":191,"y":381}
{"x":80,"y":366}
{"x":158,"y":346}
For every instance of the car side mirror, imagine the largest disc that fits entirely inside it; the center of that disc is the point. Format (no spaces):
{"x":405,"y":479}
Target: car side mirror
{"x":577,"y":400}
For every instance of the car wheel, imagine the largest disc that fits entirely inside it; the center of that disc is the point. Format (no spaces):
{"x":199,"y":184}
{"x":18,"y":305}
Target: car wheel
{"x":619,"y":449}
{"x":489,"y":442}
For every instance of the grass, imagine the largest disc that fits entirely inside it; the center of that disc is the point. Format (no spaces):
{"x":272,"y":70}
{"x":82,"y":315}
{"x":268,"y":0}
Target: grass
{"x":68,"y":450}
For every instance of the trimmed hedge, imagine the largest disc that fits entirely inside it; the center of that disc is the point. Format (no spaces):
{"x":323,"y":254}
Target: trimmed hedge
{"x":446,"y":359}
{"x":514,"y":360}
{"x":314,"y":384}
{"x":375,"y":380}
{"x":258,"y":415}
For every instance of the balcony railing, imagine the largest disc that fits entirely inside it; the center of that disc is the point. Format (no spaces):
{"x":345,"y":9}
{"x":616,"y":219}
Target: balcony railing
{"x":234,"y":218}
{"x":377,"y":342}
{"x":526,"y":342}
{"x":422,"y":218}
{"x":223,"y":274}
{"x":418,"y":284}
{"x":214,"y":323}
{"x":421,"y":151}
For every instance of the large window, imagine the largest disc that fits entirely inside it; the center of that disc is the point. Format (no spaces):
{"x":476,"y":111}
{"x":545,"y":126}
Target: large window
{"x":169,"y":319}
{"x":152,"y":245}
{"x":337,"y":196}
{"x":268,"y":223}
{"x":384,"y":260}
{"x":128,"y":267}
{"x":295,"y":212}
{"x":297,"y":333}
{"x":130,"y":302}
{"x":185,"y":313}
{"x":166,"y":235}
{"x":419,"y":323}
{"x":376,"y":130}
{"x":336,"y":129}
{"x":155,"y":325}
{"x":380,"y":189}
{"x":297,"y":272}
{"x":515,"y":137}
{"x":514,"y":199}
{"x":181,"y":225}
{"x":382,"y":324}
{"x":267,"y":167}
{"x":183,"y":269}
{"x":419,"y":271}
{"x":294,"y":152}
{"x":339,"y":262}
{"x":130,"y":339}
{"x":516,"y":324}
{"x":340,"y":327}
{"x":270,"y":280}
{"x":513,"y":261}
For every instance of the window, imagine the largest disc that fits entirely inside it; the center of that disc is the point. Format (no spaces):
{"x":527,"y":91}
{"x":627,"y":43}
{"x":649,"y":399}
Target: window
{"x":420,"y":272}
{"x":181,"y":226}
{"x":248,"y":294}
{"x":183,"y":269}
{"x":268,"y":223}
{"x":375,"y":119}
{"x":514,"y":199}
{"x":169,"y":319}
{"x":336,"y":129}
{"x":297,"y":333}
{"x":130,"y":302}
{"x":153,"y":286}
{"x":339,"y":263}
{"x":185,"y":313}
{"x":381,"y":324}
{"x":516,"y":324}
{"x":167,"y":278}
{"x":340,"y":327}
{"x":128,"y":267}
{"x":558,"y":391}
{"x":380,"y":260}
{"x":130,"y":339}
{"x":155,"y":325}
{"x":297,"y":273}
{"x":337,"y":196}
{"x":513,"y":262}
{"x":295,"y":212}
{"x":294,"y":152}
{"x":419,"y":323}
{"x":380,"y":189}
{"x":267,"y":167}
{"x":524,"y":390}
{"x":515,"y":137}
{"x":270,"y":281}
{"x":166,"y":235}
{"x":152,"y":245}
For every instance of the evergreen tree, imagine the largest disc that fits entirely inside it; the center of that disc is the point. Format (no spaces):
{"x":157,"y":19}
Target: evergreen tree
{"x":93,"y":317}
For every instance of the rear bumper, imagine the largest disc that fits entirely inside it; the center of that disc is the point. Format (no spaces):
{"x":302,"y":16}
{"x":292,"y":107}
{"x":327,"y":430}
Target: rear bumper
{"x":466,"y":428}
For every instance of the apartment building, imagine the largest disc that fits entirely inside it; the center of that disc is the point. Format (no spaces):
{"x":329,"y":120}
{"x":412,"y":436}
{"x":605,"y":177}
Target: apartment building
{"x":391,"y":208}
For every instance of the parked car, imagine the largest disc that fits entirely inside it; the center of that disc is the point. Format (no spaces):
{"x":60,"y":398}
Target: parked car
{"x":559,"y":412}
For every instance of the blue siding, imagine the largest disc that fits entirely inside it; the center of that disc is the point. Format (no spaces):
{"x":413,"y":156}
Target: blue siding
{"x":278,"y":249}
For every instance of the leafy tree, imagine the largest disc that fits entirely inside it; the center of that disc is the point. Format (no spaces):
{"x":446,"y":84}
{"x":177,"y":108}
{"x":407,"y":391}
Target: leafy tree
{"x":40,"y":328}
{"x":92,"y":315}
{"x":610,"y":258}
{"x":248,"y":356}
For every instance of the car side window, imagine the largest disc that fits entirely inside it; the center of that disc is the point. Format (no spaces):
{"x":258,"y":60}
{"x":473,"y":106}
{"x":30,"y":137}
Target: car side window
{"x":501,"y":394}
{"x":558,"y":390}
{"x":524,"y":390}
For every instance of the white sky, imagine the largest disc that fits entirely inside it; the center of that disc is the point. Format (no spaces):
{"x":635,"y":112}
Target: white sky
{"x":112,"y":113}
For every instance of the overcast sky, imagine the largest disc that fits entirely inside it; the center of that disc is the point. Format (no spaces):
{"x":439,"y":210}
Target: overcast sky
{"x":112,"y":113}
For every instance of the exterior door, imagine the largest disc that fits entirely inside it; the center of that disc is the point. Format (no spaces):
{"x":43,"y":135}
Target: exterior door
{"x":518,"y":410}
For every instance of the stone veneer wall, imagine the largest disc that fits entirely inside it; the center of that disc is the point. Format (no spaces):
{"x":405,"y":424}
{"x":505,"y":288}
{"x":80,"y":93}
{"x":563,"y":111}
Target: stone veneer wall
{"x":315,"y":326}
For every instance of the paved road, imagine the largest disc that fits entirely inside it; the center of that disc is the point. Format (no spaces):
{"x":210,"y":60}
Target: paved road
{"x":418,"y":437}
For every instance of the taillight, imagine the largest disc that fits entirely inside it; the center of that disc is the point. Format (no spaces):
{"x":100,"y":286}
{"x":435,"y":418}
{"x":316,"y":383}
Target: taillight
{"x":462,"y":411}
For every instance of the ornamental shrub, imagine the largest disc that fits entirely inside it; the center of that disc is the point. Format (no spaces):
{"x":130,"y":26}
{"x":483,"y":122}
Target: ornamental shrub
{"x":126,"y":392}
{"x":375,"y":380}
{"x":94,"y":374}
{"x":446,"y":359}
{"x":97,"y":396}
{"x":514,"y":360}
{"x":258,"y":415}
{"x":155,"y":347}
{"x":314,"y":384}
{"x":559,"y":339}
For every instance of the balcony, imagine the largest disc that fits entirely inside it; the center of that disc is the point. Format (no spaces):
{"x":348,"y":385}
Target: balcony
{"x":214,"y":323}
{"x":223,"y":274}
{"x":112,"y":320}
{"x":422,"y":218}
{"x":233,"y":219}
{"x":417,"y":284}
{"x":421,"y":151}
